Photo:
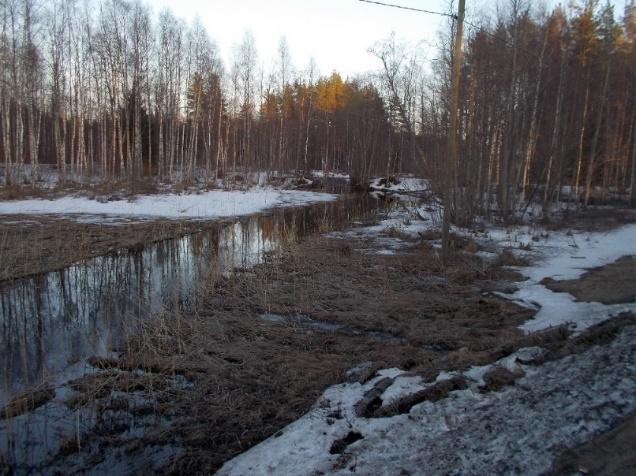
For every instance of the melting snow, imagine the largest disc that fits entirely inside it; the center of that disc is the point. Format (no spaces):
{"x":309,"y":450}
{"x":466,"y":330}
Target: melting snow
{"x":213,"y":204}
{"x":405,"y":184}
{"x":562,"y":256}
{"x":517,"y":430}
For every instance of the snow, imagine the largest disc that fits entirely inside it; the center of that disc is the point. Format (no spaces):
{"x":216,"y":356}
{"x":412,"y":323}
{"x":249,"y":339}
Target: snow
{"x":334,"y":175}
{"x":556,"y":254}
{"x":402,"y":385}
{"x":519,"y":429}
{"x":407,"y":220}
{"x":405,"y":184}
{"x":560,"y":256}
{"x":206,"y":205}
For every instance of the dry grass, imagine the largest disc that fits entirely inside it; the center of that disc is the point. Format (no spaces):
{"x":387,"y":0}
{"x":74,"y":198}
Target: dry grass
{"x":251,"y":377}
{"x":499,"y":377}
{"x":248,"y":378}
{"x":27,"y":401}
{"x":397,"y":232}
{"x":36,"y":244}
{"x":614,"y":283}
{"x":433,"y":393}
{"x":508,"y":258}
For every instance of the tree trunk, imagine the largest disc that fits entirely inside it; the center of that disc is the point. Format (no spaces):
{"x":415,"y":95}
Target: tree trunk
{"x":579,"y":162}
{"x":597,"y":132}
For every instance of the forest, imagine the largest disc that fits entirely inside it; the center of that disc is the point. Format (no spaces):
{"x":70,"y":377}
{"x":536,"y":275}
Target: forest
{"x":110,"y":90}
{"x":216,"y":261}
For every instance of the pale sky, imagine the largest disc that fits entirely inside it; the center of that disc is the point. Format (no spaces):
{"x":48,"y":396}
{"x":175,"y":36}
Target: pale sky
{"x":336,"y":33}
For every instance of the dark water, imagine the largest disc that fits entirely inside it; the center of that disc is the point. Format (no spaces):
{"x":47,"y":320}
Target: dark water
{"x":52,"y":321}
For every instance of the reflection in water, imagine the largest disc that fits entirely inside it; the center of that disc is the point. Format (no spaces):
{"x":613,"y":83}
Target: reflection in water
{"x":52,"y":321}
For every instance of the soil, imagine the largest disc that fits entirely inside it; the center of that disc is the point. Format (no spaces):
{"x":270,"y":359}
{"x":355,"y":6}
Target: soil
{"x":614,"y":283}
{"x":611,"y":453}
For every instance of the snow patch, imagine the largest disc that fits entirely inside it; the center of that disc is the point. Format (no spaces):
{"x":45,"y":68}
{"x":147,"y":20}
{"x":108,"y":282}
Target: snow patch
{"x":206,"y":205}
{"x":400,"y":184}
{"x":560,"y":256}
{"x":519,"y":429}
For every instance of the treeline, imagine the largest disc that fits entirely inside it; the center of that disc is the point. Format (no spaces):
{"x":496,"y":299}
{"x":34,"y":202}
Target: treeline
{"x":103,"y":88}
{"x":547,"y":105}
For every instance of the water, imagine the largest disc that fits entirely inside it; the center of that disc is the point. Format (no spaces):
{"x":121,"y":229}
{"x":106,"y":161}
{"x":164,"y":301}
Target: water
{"x":50,"y":322}
{"x":305,"y":322}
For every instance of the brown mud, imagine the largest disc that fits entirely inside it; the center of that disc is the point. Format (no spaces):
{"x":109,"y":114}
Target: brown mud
{"x":614,"y":283}
{"x":609,"y":454}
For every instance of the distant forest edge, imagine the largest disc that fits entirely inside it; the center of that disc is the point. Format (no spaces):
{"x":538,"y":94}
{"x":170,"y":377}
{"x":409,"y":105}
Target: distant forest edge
{"x":107,"y":89}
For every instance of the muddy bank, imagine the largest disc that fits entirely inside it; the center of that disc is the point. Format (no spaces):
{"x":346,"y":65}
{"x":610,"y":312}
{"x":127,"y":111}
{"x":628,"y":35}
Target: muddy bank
{"x":609,"y":454}
{"x":32,"y":245}
{"x":36,"y":244}
{"x":614,"y":283}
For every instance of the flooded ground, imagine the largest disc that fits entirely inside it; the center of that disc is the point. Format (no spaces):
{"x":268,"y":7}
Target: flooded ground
{"x":176,"y":356}
{"x":52,"y":323}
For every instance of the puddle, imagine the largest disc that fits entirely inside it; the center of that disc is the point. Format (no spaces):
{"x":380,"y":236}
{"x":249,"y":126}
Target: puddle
{"x":305,"y":322}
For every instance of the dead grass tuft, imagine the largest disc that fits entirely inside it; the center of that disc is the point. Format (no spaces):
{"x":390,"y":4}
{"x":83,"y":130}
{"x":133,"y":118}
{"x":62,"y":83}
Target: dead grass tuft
{"x":397,"y":232}
{"x":499,"y":377}
{"x":433,"y":393}
{"x":27,"y":401}
{"x":508,"y":258}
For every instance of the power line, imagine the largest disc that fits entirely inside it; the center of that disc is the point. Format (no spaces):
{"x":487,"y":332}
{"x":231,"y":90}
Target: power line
{"x":402,"y":7}
{"x":454,"y":17}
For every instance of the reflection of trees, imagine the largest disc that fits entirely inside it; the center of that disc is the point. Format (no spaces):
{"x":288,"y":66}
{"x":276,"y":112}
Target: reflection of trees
{"x":52,"y":320}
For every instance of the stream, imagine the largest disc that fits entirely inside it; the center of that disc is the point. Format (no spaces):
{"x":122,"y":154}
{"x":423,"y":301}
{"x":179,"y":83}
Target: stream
{"x":50,"y":324}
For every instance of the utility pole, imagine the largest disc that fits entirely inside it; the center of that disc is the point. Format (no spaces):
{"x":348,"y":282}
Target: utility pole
{"x":451,"y":169}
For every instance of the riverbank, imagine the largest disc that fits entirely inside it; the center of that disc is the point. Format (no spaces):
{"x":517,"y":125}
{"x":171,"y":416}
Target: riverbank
{"x":516,"y":413}
{"x":187,"y":392}
{"x":38,"y":236}
{"x":249,"y":373}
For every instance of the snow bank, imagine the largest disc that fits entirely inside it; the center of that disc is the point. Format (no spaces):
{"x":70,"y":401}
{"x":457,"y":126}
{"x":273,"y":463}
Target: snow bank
{"x":563,"y":256}
{"x":213,"y":204}
{"x":404,"y":184}
{"x":334,"y":175}
{"x":517,"y":430}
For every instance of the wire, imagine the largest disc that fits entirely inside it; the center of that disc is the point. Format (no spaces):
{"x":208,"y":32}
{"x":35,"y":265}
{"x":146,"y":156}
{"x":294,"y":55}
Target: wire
{"x":454,"y":17}
{"x":402,"y":7}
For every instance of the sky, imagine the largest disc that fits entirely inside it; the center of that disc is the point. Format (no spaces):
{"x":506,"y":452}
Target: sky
{"x":336,"y":33}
